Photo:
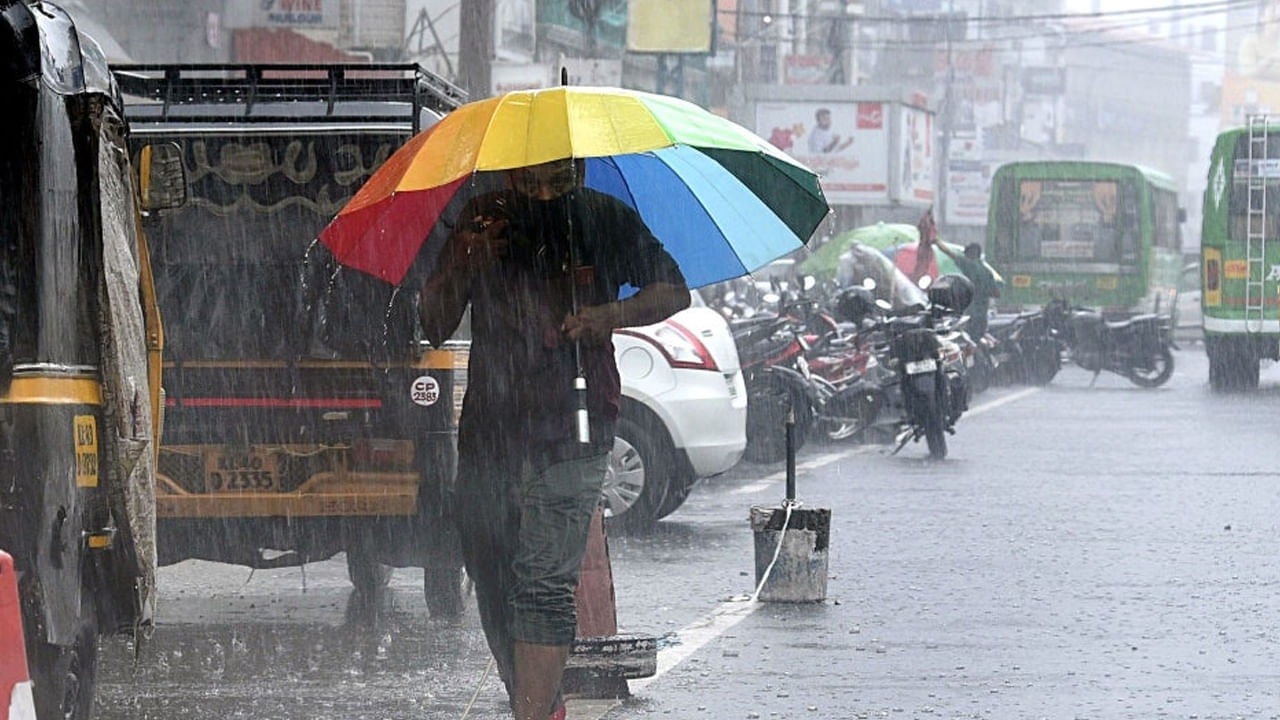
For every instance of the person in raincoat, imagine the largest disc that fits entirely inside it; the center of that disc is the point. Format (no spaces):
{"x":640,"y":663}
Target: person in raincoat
{"x":540,"y":263}
{"x":985,"y":285}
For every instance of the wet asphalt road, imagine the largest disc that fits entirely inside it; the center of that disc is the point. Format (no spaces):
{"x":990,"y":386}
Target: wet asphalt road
{"x":1085,"y":552}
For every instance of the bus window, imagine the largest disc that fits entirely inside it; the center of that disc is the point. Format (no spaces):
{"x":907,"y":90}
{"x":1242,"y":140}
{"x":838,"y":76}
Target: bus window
{"x":1128,"y":229}
{"x":1077,"y":221}
{"x":1238,"y":197}
{"x":1164,"y":219}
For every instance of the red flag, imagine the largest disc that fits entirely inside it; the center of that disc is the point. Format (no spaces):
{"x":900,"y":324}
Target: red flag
{"x":924,"y":249}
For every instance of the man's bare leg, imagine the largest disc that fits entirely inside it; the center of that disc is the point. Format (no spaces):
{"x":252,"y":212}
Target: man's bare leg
{"x":537,"y":678}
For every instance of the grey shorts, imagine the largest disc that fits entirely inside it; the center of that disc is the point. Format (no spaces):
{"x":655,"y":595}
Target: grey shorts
{"x":555,"y":513}
{"x":524,"y":533}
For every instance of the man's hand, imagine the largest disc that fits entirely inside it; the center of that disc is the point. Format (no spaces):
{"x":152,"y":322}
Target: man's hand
{"x":593,"y":324}
{"x":480,"y":242}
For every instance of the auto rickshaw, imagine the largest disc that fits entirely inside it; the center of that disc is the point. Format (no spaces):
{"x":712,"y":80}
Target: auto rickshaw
{"x":80,"y":342}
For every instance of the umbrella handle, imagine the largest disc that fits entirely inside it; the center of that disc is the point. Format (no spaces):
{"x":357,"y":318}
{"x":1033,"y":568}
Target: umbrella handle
{"x":580,"y":392}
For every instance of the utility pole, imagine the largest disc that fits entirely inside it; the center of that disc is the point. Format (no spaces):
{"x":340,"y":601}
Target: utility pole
{"x":946,"y":120}
{"x":475,"y":47}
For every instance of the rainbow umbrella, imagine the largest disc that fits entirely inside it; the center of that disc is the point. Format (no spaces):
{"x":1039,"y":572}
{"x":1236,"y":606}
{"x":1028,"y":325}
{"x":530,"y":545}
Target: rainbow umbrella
{"x":722,"y":200}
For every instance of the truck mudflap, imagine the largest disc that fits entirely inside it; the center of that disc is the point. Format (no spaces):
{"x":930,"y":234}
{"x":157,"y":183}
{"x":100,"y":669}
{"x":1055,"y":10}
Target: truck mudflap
{"x":127,"y":450}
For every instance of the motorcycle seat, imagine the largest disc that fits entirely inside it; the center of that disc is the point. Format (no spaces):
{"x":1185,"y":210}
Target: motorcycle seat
{"x":750,"y":331}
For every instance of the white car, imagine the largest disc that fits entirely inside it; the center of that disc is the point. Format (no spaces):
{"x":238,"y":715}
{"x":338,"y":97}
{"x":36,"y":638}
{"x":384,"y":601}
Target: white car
{"x":683,"y":417}
{"x":1187,"y":319}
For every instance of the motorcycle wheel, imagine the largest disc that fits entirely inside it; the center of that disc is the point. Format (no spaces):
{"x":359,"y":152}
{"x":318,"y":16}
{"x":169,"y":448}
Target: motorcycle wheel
{"x":1042,"y":364}
{"x":768,"y":400}
{"x":930,"y":415}
{"x":1159,"y":372}
{"x":935,"y":435}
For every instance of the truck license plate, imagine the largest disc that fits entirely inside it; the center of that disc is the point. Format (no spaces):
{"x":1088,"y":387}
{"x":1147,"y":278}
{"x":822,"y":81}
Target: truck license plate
{"x":251,"y":471}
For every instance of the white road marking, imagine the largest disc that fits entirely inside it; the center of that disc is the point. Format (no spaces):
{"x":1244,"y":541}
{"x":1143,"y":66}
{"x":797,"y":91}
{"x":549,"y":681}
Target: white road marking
{"x":1001,"y":401}
{"x":769,"y":481}
{"x":698,"y":634}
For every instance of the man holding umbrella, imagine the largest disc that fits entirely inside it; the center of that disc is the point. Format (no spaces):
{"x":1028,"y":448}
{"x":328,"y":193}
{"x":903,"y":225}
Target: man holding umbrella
{"x":540,"y":263}
{"x":674,"y":197}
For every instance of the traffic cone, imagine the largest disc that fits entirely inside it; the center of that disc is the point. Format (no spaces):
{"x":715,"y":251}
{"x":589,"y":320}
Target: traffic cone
{"x":602,"y":659}
{"x":16,"y":701}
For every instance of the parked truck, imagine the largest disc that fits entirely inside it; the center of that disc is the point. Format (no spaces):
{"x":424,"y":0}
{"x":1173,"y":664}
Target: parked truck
{"x":304,"y":414}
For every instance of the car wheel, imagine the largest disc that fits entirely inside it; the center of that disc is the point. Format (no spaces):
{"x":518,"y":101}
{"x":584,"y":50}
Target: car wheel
{"x":636,"y":480}
{"x":678,"y":490}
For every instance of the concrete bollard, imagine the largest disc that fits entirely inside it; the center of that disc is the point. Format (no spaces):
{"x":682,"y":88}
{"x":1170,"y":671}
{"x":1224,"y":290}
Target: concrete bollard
{"x":800,"y":572}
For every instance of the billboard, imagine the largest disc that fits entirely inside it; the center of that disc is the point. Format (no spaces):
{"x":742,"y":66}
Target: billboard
{"x":1251,"y":83}
{"x":296,"y":14}
{"x":846,"y":143}
{"x":915,"y":146}
{"x":670,"y":26}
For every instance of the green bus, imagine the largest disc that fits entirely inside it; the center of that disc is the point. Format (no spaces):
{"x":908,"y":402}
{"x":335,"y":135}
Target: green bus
{"x":1240,"y":254}
{"x":1098,"y":234}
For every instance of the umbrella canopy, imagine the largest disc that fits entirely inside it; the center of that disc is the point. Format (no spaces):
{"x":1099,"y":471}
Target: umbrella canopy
{"x":887,"y":237}
{"x":884,"y":236}
{"x":722,"y":200}
{"x":898,"y":241}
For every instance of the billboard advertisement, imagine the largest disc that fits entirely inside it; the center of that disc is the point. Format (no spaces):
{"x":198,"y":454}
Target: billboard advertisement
{"x":846,"y":143}
{"x":915,"y":148}
{"x":670,"y":26}
{"x":968,"y":192}
{"x":1251,"y":83}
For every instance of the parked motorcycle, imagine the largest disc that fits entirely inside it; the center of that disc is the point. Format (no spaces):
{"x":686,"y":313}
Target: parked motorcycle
{"x":769,"y":355}
{"x":923,"y":373}
{"x":801,"y":361}
{"x":1137,"y":347}
{"x":1022,"y":348}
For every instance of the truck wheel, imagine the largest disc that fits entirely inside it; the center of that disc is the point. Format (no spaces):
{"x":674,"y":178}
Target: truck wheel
{"x":367,"y":575}
{"x":442,"y":588}
{"x":63,"y":677}
{"x":1232,"y":365}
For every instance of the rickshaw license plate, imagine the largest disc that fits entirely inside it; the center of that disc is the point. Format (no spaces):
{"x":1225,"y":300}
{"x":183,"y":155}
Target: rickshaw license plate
{"x":240,"y":472}
{"x":916,"y":367}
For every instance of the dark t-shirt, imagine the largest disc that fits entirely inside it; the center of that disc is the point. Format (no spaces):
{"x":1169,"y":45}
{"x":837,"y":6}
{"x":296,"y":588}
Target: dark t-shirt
{"x":520,"y":377}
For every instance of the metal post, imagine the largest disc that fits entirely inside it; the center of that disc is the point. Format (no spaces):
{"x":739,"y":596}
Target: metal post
{"x":791,"y":452}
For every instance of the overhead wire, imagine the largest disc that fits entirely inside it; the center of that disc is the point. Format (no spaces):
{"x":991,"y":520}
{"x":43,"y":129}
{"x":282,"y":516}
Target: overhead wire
{"x":1026,"y":32}
{"x":1216,"y":5}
